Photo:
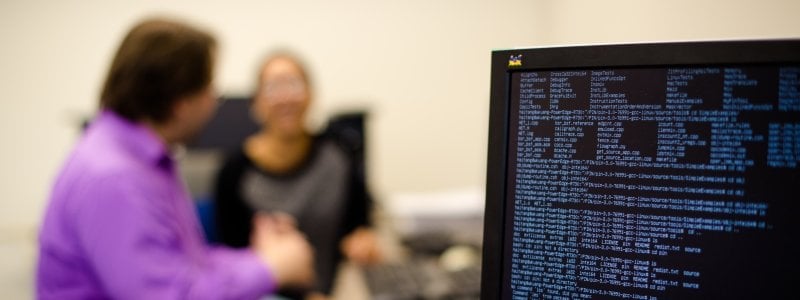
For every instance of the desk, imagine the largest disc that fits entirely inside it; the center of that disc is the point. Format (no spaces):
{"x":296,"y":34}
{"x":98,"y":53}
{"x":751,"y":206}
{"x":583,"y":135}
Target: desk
{"x":350,"y":283}
{"x":412,"y":274}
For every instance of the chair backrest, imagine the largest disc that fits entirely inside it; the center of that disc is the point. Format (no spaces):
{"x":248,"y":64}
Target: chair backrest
{"x":349,"y":128}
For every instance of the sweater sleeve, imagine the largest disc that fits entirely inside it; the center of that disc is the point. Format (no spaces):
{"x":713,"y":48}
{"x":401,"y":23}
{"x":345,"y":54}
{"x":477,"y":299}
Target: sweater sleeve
{"x":232,"y":215}
{"x":360,"y":203}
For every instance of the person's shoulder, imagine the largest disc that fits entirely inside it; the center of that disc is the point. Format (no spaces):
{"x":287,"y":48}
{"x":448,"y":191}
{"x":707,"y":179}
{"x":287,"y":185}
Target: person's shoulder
{"x":91,"y":174}
{"x":97,"y":157}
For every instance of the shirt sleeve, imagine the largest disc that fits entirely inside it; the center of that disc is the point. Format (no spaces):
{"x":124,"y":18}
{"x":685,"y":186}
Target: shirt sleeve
{"x":138,"y":249}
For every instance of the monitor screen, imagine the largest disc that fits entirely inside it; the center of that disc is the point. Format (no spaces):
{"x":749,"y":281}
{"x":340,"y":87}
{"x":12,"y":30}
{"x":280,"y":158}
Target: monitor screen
{"x":229,"y":126}
{"x":644,"y":171}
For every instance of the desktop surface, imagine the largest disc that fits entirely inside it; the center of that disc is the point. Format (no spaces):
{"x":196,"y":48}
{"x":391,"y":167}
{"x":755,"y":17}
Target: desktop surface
{"x":430,"y":244}
{"x":644,"y":171}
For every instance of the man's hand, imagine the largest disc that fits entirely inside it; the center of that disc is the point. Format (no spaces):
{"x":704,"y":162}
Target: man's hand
{"x":283,"y":249}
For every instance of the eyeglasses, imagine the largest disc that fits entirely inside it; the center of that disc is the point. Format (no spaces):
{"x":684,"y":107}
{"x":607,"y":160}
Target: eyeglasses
{"x":291,"y":86}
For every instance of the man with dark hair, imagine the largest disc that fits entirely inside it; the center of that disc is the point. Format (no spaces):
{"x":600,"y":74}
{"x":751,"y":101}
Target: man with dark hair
{"x":119,"y":223}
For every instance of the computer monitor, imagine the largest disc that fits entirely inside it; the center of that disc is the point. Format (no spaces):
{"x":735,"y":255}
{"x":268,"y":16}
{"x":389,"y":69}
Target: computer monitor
{"x":644,"y":171}
{"x":229,"y":126}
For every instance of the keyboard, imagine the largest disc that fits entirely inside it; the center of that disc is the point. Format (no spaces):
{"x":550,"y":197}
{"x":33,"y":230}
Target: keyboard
{"x":421,"y":280}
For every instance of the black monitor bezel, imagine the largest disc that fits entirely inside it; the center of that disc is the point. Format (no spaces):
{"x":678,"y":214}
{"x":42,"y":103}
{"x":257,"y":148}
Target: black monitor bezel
{"x":697,"y":53}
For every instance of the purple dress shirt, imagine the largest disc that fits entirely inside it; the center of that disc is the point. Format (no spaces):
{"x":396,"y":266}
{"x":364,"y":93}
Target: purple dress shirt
{"x":121,"y":225}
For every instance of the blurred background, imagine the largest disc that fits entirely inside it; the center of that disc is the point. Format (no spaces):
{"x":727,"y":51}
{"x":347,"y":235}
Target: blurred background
{"x":419,"y":67}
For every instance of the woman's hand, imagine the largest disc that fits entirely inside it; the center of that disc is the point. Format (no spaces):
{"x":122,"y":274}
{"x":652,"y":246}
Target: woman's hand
{"x":361,"y":247}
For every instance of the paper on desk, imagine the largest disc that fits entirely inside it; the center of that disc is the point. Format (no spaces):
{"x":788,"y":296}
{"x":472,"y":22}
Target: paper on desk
{"x":455,"y":202}
{"x":458,"y":212}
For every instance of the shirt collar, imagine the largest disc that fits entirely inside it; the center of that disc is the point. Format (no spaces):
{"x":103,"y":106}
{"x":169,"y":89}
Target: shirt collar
{"x":141,"y":141}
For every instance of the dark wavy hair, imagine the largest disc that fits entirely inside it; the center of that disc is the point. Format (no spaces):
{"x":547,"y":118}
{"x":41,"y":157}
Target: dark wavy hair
{"x":158,"y":62}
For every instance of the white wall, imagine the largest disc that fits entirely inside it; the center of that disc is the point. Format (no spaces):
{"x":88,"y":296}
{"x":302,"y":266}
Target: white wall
{"x":420,"y":66}
{"x":583,"y":21}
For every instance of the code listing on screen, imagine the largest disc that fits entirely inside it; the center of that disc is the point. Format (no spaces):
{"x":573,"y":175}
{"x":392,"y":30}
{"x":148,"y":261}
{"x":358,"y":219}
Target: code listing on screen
{"x":654,"y":183}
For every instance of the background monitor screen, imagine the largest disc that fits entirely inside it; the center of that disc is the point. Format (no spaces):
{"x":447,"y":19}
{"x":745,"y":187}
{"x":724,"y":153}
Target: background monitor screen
{"x":644,"y":171}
